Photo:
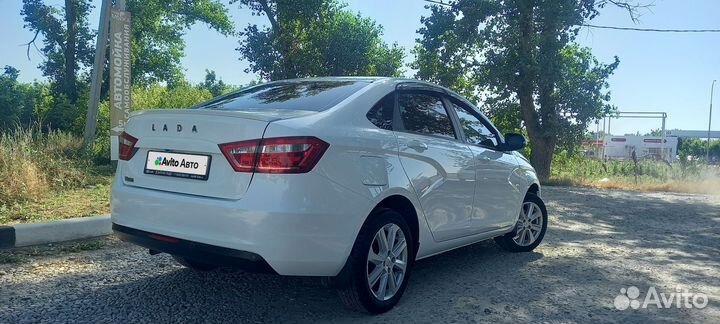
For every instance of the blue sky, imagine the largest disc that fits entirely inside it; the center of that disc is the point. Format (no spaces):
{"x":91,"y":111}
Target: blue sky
{"x":658,"y":71}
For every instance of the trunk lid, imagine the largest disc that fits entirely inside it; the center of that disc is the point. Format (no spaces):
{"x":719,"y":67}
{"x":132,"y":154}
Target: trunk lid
{"x":194,"y":135}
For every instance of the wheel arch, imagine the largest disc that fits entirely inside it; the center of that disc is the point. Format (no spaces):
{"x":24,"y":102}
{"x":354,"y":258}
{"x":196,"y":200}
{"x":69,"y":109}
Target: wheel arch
{"x":400,"y":203}
{"x":534,"y":188}
{"x":406,"y":209}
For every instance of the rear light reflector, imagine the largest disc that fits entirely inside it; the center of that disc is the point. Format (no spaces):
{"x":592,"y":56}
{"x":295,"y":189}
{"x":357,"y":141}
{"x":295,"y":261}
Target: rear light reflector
{"x":126,"y":147}
{"x":297,"y":154}
{"x":163,"y":238}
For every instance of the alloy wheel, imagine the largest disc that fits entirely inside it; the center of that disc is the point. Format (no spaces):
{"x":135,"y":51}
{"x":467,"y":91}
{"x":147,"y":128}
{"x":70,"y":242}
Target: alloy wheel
{"x":529,"y":224}
{"x":387,"y":261}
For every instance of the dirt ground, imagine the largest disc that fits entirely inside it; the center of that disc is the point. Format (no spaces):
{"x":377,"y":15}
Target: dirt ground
{"x":599,"y":244}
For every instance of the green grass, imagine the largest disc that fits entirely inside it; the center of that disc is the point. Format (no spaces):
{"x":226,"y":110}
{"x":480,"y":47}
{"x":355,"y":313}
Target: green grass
{"x":83,"y":246}
{"x":88,"y":201}
{"x":38,"y":252}
{"x":8,"y":258}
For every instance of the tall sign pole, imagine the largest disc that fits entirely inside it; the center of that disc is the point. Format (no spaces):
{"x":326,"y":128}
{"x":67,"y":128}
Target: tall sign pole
{"x":663,"y":140}
{"x":114,"y":26}
{"x":707,"y":154}
{"x":97,"y":75}
{"x":120,"y":73}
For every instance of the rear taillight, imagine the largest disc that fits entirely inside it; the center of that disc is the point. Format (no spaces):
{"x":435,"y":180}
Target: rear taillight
{"x":127,"y":146}
{"x":275,"y":155}
{"x":289,"y":154}
{"x":241,"y":155}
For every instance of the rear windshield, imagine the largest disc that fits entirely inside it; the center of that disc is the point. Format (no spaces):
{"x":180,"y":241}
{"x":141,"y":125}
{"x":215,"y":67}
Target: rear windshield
{"x":295,"y":95}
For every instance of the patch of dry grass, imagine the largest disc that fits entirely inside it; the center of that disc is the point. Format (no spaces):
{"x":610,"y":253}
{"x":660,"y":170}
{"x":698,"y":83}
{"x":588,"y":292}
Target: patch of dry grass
{"x":681,"y":176}
{"x":711,"y":186}
{"x":33,"y":163}
{"x":47,"y":175}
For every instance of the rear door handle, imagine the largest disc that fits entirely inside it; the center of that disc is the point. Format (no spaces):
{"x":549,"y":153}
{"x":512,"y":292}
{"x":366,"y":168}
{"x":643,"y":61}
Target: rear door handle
{"x":417,"y":145}
{"x":483,"y":158}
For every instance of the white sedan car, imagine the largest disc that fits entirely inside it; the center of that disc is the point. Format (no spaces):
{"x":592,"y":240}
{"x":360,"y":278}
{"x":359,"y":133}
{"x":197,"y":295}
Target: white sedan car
{"x":347,"y":178}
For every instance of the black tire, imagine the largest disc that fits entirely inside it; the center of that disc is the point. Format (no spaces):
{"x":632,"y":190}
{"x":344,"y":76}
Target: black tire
{"x":194,"y":265}
{"x":357,"y":294}
{"x":506,"y":241}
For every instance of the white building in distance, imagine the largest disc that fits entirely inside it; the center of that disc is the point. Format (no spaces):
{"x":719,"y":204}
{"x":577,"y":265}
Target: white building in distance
{"x":645,"y":147}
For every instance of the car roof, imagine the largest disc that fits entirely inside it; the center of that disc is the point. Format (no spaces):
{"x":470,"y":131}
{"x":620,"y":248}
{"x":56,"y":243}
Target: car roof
{"x":394,"y":81}
{"x":374,"y":79}
{"x":335,"y":78}
{"x":361,"y":78}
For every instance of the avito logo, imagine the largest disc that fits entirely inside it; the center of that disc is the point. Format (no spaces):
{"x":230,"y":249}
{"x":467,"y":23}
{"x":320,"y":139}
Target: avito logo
{"x":681,"y":298}
{"x":167,"y":162}
{"x":161,"y":161}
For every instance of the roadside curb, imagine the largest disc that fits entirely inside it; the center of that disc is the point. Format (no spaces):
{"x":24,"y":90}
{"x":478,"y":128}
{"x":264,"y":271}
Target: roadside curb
{"x":56,"y":231}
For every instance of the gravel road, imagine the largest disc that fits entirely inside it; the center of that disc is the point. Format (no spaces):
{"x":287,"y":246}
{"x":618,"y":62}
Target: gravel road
{"x":598,"y":242}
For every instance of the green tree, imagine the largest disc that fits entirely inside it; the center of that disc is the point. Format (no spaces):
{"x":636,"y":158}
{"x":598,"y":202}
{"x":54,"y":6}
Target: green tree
{"x":15,"y":108}
{"x":9,"y":100}
{"x":22,"y":103}
{"x":158,"y":27}
{"x":697,"y":148}
{"x":158,"y":96}
{"x":67,"y":42}
{"x":520,"y":54}
{"x":315,"y":38}
{"x":715,"y":150}
{"x":445,"y":55}
{"x":214,"y":85}
{"x":67,"y":51}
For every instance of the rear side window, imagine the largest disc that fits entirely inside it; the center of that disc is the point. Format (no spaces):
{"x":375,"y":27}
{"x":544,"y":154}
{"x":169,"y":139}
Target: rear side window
{"x":314,"y":95}
{"x":382,"y":113}
{"x":425,"y":114}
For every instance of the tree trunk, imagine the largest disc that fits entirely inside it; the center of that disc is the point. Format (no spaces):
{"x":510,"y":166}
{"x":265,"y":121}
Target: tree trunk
{"x":526,"y":74}
{"x":289,"y":71}
{"x":69,"y":86}
{"x":542,"y":137}
{"x":543,"y":149}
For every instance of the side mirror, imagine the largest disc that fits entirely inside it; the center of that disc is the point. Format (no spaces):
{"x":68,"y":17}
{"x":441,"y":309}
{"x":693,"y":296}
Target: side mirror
{"x":513,"y":142}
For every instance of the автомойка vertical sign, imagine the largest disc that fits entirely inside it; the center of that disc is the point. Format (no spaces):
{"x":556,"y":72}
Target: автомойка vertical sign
{"x":120,"y":75}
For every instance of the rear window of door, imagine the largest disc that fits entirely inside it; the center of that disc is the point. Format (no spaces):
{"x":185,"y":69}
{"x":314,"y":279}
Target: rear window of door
{"x":424,"y":113}
{"x":475,"y":129}
{"x":313,"y":95}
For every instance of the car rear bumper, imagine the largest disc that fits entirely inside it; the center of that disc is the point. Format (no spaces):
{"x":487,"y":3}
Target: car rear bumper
{"x":300,"y":225}
{"x":205,"y":253}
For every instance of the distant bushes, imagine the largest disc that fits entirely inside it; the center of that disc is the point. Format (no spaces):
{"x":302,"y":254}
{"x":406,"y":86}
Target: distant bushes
{"x":35,"y":103}
{"x":20,"y":103}
{"x":684,"y":175}
{"x":23,"y":103}
{"x":159,"y":96}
